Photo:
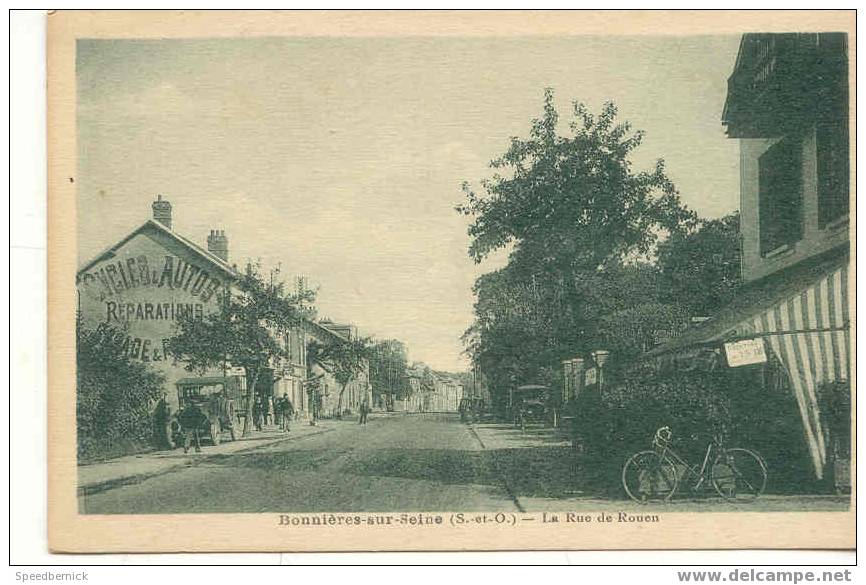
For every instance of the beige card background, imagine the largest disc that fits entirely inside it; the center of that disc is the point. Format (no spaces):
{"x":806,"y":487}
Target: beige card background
{"x":71,"y":532}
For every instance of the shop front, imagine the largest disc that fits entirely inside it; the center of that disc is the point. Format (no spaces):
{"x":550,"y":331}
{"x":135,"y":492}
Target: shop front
{"x":788,"y":334}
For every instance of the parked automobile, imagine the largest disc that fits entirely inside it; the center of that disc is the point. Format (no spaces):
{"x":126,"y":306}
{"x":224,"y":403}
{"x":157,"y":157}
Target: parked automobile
{"x":465,"y":409}
{"x":471,"y":409}
{"x":533,"y":404}
{"x":217,"y":398}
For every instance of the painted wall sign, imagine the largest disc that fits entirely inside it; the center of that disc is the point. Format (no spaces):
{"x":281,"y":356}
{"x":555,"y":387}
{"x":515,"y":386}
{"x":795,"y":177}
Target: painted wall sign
{"x":116,"y":277}
{"x":142,"y":290}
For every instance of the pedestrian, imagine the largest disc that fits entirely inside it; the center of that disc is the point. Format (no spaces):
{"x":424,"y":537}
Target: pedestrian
{"x":315,"y":405}
{"x":365,"y":409}
{"x":225,"y":411}
{"x":162,"y":423}
{"x":278,"y":411}
{"x":192,"y":419}
{"x":269,"y":410}
{"x":258,"y":413}
{"x":287,"y":412}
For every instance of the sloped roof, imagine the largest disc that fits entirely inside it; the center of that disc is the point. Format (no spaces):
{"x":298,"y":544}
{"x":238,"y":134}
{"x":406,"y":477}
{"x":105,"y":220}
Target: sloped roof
{"x":151,"y":224}
{"x":754,"y":298}
{"x":324,"y":329}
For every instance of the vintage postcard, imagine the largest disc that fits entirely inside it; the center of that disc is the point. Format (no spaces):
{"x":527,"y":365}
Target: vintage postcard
{"x":336,"y":281}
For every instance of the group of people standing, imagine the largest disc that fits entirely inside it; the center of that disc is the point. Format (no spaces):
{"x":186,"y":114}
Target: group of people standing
{"x":267,"y":410}
{"x":186,"y":426}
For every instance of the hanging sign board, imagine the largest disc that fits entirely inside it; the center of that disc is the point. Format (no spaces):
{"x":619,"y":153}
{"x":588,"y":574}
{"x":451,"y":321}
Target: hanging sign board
{"x":745,"y":352}
{"x":591,"y":376}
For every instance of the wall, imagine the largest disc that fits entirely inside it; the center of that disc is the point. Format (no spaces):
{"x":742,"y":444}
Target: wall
{"x":144,"y":286}
{"x":815,"y":239}
{"x":356,"y":389}
{"x":293,"y":373}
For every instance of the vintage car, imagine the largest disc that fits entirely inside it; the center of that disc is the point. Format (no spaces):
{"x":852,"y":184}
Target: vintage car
{"x":533,"y":404}
{"x":471,"y":409}
{"x":217,"y":398}
{"x":465,"y":409}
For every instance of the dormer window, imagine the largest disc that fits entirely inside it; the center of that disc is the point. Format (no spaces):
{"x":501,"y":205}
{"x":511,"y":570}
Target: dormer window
{"x":781,"y":195}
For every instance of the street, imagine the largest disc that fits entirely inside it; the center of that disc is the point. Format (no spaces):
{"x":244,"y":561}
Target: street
{"x":398,"y":462}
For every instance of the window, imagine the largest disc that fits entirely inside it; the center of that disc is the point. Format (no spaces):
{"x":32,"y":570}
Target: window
{"x":780,"y":195}
{"x":832,"y":128}
{"x":297,"y":356}
{"x":292,"y":344}
{"x":287,"y":346}
{"x":832,"y":139}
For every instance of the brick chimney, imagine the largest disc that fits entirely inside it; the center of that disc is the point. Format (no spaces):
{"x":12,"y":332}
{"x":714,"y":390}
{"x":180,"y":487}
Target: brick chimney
{"x":162,"y":211}
{"x":218,"y":244}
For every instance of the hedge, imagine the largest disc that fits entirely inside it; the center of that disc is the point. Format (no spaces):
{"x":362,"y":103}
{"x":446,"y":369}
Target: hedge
{"x":115,"y":396}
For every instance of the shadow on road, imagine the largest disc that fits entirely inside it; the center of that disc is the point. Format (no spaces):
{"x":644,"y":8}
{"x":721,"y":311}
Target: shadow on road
{"x":548,"y":472}
{"x":530,"y":435}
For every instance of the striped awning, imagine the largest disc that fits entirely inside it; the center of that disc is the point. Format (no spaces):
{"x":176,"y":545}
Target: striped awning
{"x":802,"y":314}
{"x":809,"y":334}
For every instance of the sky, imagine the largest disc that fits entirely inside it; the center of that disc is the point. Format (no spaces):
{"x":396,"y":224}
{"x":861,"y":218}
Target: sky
{"x":341,"y":159}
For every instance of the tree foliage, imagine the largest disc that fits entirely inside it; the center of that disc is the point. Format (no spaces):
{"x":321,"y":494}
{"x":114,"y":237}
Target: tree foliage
{"x":388,"y":370}
{"x":247,"y":331}
{"x":700,"y":268}
{"x":343,"y":359}
{"x":572,"y":201}
{"x":115,"y":393}
{"x":427,"y":378}
{"x":583,"y":225}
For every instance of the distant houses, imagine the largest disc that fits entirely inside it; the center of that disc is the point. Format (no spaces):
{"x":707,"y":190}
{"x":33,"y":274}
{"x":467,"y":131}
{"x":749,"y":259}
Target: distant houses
{"x":430,"y":391}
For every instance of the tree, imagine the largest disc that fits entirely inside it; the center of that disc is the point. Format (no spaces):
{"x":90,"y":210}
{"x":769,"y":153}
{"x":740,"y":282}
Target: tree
{"x":247,"y":331}
{"x":388,"y":368}
{"x":523,"y":330}
{"x":344,"y":359}
{"x":700,"y":268}
{"x":631,"y":331}
{"x":115,"y":394}
{"x":582,"y":225}
{"x":427,"y":378}
{"x":572,"y":201}
{"x":513,"y":333}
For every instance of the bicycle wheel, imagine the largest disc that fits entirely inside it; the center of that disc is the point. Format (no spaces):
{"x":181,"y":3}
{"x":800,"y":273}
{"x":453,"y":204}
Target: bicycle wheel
{"x":739,"y":475}
{"x":648,"y":477}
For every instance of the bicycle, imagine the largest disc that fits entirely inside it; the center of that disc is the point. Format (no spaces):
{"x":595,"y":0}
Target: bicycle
{"x":737,"y":474}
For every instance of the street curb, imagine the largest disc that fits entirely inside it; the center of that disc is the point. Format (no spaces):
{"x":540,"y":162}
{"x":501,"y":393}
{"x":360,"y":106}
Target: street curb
{"x":98,"y":487}
{"x":508,"y":488}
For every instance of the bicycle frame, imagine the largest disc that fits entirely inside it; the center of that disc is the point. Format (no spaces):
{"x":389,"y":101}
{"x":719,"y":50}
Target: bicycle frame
{"x":700,"y":476}
{"x":655,"y":475}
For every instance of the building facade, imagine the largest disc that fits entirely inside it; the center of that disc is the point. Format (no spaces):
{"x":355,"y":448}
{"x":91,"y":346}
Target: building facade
{"x":147,"y":281}
{"x":143,"y":284}
{"x":323,"y":385}
{"x":787,"y":104}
